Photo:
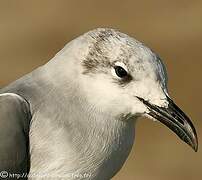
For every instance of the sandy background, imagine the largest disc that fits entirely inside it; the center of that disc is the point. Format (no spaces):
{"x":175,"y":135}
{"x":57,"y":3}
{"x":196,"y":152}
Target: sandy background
{"x":31,"y":32}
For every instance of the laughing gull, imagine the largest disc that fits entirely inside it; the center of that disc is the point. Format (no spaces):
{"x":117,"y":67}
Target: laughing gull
{"x":75,"y":115}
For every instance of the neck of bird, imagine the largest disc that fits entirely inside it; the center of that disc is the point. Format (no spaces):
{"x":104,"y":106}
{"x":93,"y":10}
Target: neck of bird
{"x":78,"y":140}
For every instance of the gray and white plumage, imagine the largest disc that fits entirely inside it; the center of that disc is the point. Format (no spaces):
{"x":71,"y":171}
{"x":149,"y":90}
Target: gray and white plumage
{"x":74,"y":115}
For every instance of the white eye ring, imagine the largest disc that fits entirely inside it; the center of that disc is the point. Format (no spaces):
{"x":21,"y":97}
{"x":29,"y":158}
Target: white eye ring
{"x":120,"y":64}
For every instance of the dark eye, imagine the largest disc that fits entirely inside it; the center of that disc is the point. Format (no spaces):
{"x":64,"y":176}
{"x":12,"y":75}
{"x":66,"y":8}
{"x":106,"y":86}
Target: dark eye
{"x":120,"y":72}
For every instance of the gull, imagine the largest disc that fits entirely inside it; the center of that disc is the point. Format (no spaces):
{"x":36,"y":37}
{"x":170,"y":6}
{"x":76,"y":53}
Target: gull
{"x":74,"y":116}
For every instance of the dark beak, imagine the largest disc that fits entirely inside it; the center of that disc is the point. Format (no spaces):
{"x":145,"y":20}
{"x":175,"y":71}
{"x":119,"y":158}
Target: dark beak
{"x":175,"y":119}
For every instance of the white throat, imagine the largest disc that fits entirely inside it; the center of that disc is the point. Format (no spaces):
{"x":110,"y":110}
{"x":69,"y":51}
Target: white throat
{"x":86,"y":141}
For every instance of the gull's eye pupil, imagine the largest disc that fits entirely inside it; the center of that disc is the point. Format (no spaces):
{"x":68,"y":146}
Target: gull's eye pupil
{"x":120,"y":72}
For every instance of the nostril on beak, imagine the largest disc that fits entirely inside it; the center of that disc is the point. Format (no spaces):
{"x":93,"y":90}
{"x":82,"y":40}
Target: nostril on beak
{"x":177,"y":117}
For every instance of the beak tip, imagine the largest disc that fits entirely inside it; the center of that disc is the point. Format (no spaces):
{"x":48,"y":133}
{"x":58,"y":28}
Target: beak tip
{"x":194,"y":143}
{"x":195,"y":146}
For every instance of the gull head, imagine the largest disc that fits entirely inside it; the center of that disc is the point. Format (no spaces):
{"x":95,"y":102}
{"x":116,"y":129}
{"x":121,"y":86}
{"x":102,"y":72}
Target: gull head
{"x":122,"y":77}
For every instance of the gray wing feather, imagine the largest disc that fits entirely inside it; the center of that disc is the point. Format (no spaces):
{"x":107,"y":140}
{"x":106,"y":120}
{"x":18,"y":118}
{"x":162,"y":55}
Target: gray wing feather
{"x":15,"y":117}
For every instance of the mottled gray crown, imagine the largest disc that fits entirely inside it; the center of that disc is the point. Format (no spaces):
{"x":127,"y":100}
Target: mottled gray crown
{"x":109,"y":46}
{"x":104,"y":42}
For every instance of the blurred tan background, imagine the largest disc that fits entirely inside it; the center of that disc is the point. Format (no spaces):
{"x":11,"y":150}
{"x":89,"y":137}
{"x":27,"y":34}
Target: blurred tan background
{"x":31,"y":32}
